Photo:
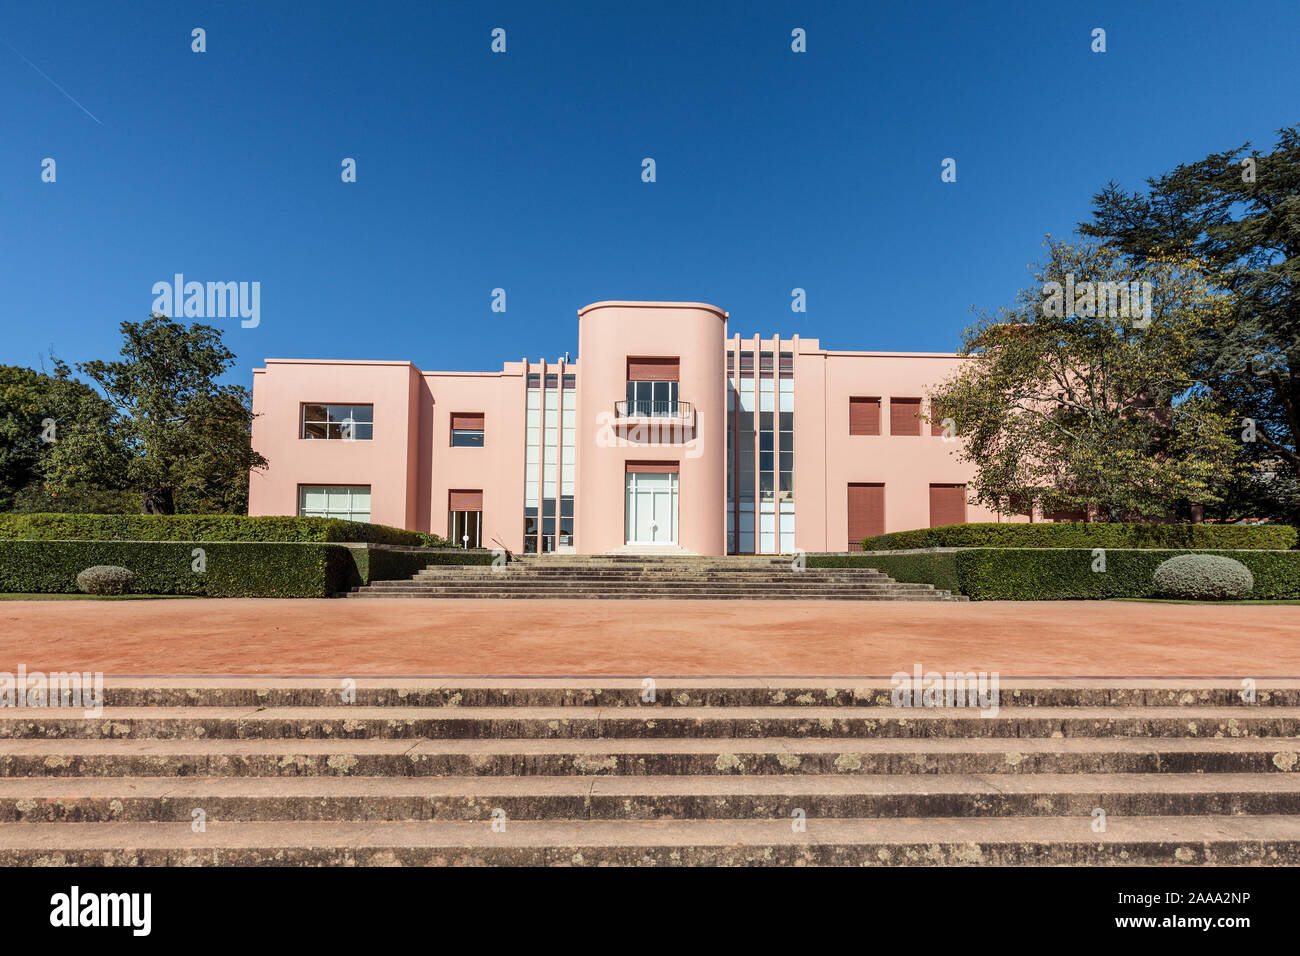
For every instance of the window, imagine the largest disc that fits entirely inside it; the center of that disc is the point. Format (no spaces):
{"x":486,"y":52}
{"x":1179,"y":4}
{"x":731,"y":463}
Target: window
{"x":652,"y":399}
{"x":864,"y":416}
{"x":349,"y":502}
{"x":904,"y":416}
{"x":341,"y":422}
{"x":467,"y":429}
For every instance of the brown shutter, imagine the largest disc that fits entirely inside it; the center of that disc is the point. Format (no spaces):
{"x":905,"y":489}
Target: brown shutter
{"x":653,"y":369}
{"x":864,"y":416}
{"x":470,"y":420}
{"x":866,"y":513}
{"x":465,"y":501}
{"x":947,"y":505}
{"x":936,"y":423}
{"x":904,"y":416}
{"x":651,"y":467}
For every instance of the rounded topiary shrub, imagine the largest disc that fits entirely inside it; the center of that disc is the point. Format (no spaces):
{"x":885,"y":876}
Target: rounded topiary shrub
{"x":1203,"y":577}
{"x":105,"y":579}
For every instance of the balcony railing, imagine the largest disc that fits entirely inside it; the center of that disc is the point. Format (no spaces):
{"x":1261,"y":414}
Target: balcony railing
{"x":675,"y":411}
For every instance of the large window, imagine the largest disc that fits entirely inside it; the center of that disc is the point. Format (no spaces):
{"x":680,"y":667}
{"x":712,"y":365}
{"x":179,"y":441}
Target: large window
{"x":350,"y":502}
{"x":467,"y":430}
{"x":340,"y":422}
{"x":652,"y":399}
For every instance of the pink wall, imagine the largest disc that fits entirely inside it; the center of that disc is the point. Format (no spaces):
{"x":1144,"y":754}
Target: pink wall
{"x":496,"y":469}
{"x":827,"y":458}
{"x":609,"y":333}
{"x":385,"y":463}
{"x":411,"y":466}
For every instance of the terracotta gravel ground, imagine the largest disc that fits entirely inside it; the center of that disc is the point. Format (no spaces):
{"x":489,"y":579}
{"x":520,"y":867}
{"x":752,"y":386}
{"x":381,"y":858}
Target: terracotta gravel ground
{"x":667,"y":638}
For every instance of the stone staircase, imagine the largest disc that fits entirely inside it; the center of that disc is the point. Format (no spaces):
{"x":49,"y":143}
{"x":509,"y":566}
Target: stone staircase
{"x":642,"y":576}
{"x":227,"y":771}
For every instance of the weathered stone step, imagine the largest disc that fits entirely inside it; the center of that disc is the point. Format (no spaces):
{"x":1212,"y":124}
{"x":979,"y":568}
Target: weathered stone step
{"x":1223,"y":840}
{"x":228,"y":799}
{"x":645,"y":595}
{"x":645,"y":756}
{"x":669,"y":692}
{"x":352,"y":721}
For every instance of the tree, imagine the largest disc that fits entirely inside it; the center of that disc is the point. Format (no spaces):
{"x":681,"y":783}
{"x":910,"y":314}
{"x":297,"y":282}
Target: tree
{"x":54,"y":424}
{"x":187,"y":437}
{"x":1070,"y":404}
{"x":1238,"y":212}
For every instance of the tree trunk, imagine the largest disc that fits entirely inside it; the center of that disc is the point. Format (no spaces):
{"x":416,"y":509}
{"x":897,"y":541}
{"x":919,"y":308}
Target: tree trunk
{"x":157,"y":501}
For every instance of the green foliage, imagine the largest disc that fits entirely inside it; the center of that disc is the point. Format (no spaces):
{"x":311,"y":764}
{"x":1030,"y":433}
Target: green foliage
{"x":1072,"y":411}
{"x":1079,"y":534}
{"x":105,"y":579}
{"x":939,"y":569}
{"x":51,"y":423}
{"x":233,"y":569}
{"x":1203,"y":577}
{"x":391,"y":564}
{"x":433,"y":540}
{"x":1246,"y":229}
{"x":1061,"y":574}
{"x":185,"y":438}
{"x":71,"y":527}
{"x":1046,"y":574}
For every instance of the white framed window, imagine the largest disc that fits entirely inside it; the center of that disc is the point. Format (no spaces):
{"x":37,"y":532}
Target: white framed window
{"x":349,"y":502}
{"x":339,"y":422}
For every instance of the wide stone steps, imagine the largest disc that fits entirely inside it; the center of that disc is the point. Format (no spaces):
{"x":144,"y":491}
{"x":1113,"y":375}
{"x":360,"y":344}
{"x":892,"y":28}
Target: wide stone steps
{"x":359,"y":722}
{"x":593,"y":771}
{"x":645,"y":756}
{"x":643,"y":577}
{"x":168,"y":799}
{"x":929,"y":841}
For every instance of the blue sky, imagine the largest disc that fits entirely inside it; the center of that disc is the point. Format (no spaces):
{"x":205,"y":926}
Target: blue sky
{"x":522,"y":170}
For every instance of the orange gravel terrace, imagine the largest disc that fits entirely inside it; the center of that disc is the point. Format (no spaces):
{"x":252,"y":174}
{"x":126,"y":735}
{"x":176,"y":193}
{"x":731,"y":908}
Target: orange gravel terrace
{"x":669,"y":638}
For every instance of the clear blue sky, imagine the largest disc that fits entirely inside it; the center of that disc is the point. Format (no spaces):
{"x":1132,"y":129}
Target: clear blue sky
{"x":523,"y":171}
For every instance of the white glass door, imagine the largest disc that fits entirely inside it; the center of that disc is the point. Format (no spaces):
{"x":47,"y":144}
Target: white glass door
{"x":651,"y":508}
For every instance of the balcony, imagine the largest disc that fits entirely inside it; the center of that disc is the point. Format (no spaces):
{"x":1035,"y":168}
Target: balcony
{"x":647,"y":410}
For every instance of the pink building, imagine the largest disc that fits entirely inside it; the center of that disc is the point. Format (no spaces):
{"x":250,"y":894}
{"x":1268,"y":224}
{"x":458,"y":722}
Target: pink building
{"x":671,"y":435}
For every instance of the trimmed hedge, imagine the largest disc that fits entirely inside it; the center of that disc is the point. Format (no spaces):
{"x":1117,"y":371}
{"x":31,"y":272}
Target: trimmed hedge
{"x":1080,"y":534}
{"x":233,"y":568}
{"x":74,"y":527}
{"x":1063,"y":574}
{"x":393,"y":564}
{"x":937,"y":567}
{"x":1204,"y":577}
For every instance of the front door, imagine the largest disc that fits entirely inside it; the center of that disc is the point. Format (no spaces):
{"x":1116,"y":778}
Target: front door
{"x":651,"y":508}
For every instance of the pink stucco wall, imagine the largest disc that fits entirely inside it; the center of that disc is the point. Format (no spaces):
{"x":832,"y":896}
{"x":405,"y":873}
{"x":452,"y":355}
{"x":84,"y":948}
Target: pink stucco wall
{"x":411,"y":466}
{"x":610,"y":333}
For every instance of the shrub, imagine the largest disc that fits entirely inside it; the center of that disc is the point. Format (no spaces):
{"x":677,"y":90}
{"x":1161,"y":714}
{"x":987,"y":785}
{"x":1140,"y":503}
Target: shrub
{"x":105,"y":579}
{"x":1203,"y":577}
{"x":230,"y":569}
{"x":1088,"y":535}
{"x":83,"y":527}
{"x":1059,"y":574}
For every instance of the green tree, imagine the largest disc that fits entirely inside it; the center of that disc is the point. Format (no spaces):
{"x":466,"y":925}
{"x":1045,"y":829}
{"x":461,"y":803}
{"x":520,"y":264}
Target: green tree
{"x":53,"y":424}
{"x":1238,"y":212}
{"x":1081,"y":410}
{"x":186,"y":436}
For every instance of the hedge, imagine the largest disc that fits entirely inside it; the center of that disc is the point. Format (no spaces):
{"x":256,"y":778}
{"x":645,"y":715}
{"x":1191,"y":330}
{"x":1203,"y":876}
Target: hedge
{"x":936,"y":567}
{"x":1058,"y":574}
{"x":233,"y":568}
{"x":74,"y":527}
{"x":1078,"y":534}
{"x":395,"y":564}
